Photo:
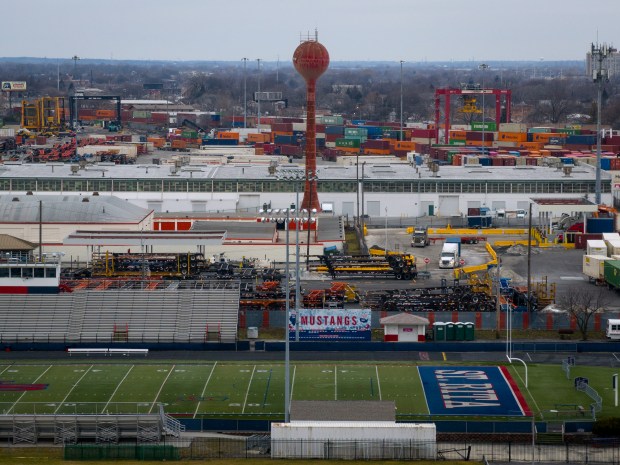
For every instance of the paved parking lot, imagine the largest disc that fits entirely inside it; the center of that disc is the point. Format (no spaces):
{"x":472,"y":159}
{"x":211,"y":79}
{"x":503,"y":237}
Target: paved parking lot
{"x":557,"y":265}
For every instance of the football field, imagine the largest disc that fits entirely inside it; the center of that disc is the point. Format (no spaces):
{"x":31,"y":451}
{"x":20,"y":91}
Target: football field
{"x":256,"y":390}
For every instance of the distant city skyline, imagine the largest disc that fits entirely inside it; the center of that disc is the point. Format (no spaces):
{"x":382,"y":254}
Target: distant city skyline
{"x":352,"y":30}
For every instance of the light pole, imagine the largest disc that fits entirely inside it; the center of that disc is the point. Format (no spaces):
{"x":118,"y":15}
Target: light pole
{"x":258,"y":95}
{"x":386,"y":241}
{"x":483,"y":67}
{"x":287,"y":281}
{"x":295,"y":176}
{"x":357,"y":184}
{"x":401,"y":99}
{"x":245,"y":97}
{"x":600,"y":74}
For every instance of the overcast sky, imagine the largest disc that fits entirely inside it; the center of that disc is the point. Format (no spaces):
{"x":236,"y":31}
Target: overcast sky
{"x":392,"y":30}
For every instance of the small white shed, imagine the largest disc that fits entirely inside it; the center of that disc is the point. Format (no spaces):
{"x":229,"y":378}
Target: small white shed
{"x":404,"y":327}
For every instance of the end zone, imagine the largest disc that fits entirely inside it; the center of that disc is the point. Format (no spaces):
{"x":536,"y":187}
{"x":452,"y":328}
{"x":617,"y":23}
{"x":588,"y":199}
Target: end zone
{"x":485,"y":390}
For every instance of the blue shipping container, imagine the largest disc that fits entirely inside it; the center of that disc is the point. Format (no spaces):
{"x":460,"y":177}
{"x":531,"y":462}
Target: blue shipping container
{"x":334,"y":130}
{"x":599,"y":225}
{"x":581,"y":139}
{"x":605,"y":164}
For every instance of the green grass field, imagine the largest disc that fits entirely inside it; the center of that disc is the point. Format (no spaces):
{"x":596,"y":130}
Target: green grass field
{"x":238,"y":390}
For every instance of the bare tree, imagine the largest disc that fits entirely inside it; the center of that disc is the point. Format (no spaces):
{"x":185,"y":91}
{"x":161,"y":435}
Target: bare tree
{"x":582,"y":305}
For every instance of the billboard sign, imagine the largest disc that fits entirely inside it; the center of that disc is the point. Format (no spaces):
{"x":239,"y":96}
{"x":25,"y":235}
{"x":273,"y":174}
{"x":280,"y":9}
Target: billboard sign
{"x":13,"y":86}
{"x":330,"y":324}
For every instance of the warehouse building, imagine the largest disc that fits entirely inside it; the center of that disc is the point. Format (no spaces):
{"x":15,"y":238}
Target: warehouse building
{"x":375,"y":190}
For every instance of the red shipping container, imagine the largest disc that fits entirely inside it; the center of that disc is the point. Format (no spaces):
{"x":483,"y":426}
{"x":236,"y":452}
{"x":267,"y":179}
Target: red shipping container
{"x":581,"y":240}
{"x":282,"y":127}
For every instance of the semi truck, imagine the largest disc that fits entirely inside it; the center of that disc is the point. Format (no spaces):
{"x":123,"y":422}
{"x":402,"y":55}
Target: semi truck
{"x":450,"y":254}
{"x":419,"y":237}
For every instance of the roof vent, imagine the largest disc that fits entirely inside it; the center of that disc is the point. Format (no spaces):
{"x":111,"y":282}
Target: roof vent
{"x":568,"y":169}
{"x":15,"y":199}
{"x":95,"y":193}
{"x":29,"y":193}
{"x":85,"y":199}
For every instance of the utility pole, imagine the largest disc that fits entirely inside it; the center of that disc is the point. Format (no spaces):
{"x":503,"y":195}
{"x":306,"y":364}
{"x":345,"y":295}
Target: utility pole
{"x":401,"y":100}
{"x":258,"y":95}
{"x":245,"y":97}
{"x":598,"y":55}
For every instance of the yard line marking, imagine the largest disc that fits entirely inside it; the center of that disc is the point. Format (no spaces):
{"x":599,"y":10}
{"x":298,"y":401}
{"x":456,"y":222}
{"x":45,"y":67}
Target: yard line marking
{"x":72,"y":388}
{"x":528,"y":356}
{"x":9,"y":366}
{"x":443,"y":354}
{"x":161,"y":387}
{"x":204,"y":389}
{"x":24,"y":393}
{"x":248,"y":391}
{"x":378,"y":381}
{"x":293,"y":381}
{"x":115,"y":390}
{"x":335,"y":382}
{"x":615,"y":356}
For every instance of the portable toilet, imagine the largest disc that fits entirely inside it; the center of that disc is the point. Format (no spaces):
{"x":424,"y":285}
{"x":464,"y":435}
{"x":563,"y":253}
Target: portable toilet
{"x":459,"y":331}
{"x":439,"y":331}
{"x":470,"y":331}
{"x":450,"y":332}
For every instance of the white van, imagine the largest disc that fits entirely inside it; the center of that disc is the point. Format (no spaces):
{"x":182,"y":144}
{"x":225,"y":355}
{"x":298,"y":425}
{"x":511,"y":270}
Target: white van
{"x":613,"y":329}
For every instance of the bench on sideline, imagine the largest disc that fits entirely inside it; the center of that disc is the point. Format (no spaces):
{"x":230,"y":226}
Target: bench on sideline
{"x":106,"y":351}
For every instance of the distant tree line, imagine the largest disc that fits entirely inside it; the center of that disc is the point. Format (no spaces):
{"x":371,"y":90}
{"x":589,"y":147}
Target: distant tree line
{"x":550,"y":94}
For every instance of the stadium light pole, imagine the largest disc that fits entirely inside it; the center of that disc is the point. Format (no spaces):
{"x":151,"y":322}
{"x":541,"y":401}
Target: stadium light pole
{"x":287,"y":284}
{"x":245,"y":94}
{"x":599,"y":74}
{"x":258,"y":95}
{"x":401,"y":99}
{"x":483,"y":67}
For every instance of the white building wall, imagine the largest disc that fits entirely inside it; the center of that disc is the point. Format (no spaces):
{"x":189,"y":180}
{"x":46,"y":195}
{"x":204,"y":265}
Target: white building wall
{"x":409,"y":333}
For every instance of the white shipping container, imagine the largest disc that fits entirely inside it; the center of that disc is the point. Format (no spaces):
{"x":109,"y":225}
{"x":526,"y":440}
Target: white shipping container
{"x":350,"y":439}
{"x":613,"y":247}
{"x":615,"y":257}
{"x":593,"y":266}
{"x":299,"y":126}
{"x":596,"y":247}
{"x":512,"y":127}
{"x":611,"y":237}
{"x":7,"y":132}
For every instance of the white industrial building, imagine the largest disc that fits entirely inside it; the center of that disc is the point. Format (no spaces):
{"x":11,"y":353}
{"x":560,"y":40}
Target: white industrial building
{"x":376,"y":190}
{"x":353,"y":440}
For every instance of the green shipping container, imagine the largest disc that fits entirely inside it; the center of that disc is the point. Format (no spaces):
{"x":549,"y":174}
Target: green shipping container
{"x":141,"y":114}
{"x":570,"y":132}
{"x":353,"y":143}
{"x":457,"y":142}
{"x":470,"y":331}
{"x":611,"y":271}
{"x":538,"y":130}
{"x":439,"y":331}
{"x":487,"y":125}
{"x":450,"y":336}
{"x":189,"y":134}
{"x":358,"y":132}
{"x":332,"y":120}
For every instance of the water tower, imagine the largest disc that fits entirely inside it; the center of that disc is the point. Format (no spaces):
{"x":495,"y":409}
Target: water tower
{"x":311,"y":59}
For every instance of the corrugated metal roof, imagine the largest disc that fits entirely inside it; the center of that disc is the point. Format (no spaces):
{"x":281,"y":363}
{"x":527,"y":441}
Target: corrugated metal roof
{"x":12,"y":243}
{"x":69,"y":209}
{"x":325,"y":173}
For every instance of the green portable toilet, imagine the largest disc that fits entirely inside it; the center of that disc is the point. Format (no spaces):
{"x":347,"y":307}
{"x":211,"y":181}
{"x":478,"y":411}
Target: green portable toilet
{"x":450,"y":332}
{"x":470,"y":331}
{"x":459,"y":331}
{"x":439,"y":331}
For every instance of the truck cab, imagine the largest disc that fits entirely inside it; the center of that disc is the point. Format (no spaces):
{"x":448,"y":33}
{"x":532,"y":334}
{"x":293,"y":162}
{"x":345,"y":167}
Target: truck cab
{"x":449,"y":255}
{"x":419,"y":237}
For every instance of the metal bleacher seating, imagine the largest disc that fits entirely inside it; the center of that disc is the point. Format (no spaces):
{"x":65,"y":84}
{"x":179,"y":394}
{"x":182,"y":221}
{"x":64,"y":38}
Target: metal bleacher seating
{"x":170,"y":315}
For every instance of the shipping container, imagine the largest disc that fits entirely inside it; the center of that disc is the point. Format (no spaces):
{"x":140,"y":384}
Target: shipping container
{"x":611,"y":273}
{"x":613,"y":247}
{"x":600,"y":225}
{"x":512,"y":127}
{"x":331,"y":120}
{"x":348,"y":143}
{"x":593,"y":266}
{"x":487,"y":126}
{"x":596,"y":247}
